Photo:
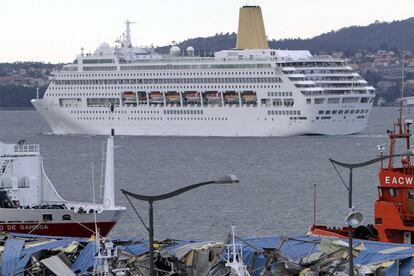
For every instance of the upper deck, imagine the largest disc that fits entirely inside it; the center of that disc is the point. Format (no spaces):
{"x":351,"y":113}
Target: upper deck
{"x":7,"y":150}
{"x":106,"y":58}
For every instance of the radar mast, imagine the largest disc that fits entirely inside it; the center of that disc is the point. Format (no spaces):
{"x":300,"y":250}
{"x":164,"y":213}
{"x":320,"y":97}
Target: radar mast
{"x":127,"y":40}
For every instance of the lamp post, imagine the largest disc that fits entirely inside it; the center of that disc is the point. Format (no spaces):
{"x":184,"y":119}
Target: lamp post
{"x":227,"y":179}
{"x":353,"y":219}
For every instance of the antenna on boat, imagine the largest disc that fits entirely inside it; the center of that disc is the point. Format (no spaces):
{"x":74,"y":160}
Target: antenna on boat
{"x":401,"y":128}
{"x":97,"y":263}
{"x":314,"y":204}
{"x":94,"y":201}
{"x":400,"y":123}
{"x":101,"y":184}
{"x":127,"y":38}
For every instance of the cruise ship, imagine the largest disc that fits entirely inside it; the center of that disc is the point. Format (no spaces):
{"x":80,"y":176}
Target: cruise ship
{"x":247,"y":91}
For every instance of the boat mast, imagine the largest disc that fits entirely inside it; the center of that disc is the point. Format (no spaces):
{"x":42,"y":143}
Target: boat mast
{"x":109,"y":187}
{"x":401,"y":129}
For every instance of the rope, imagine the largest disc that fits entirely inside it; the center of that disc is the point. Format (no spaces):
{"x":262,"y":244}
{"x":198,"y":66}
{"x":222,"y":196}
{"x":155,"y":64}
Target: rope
{"x":84,"y":226}
{"x":343,"y":181}
{"x":37,"y":226}
{"x":136,"y":212}
{"x":143,"y":230}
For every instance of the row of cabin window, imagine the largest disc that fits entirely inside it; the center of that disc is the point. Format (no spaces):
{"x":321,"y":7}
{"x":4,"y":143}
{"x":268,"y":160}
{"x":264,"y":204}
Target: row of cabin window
{"x":277,"y":102}
{"x":169,"y":81}
{"x":330,"y":117}
{"x":151,"y":87}
{"x":98,"y":111}
{"x":279,"y":94}
{"x":283,"y":112}
{"x":344,"y":100}
{"x":169,"y":74}
{"x":195,"y":67}
{"x":334,"y":112}
{"x":184,"y":112}
{"x":336,"y":92}
{"x":157,"y":118}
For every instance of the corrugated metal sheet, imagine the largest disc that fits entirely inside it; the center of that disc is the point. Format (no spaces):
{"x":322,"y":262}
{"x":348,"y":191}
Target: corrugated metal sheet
{"x":11,"y":256}
{"x":136,"y":249}
{"x":48,"y":246}
{"x":27,"y":253}
{"x":85,"y":260}
{"x":297,"y":248}
{"x":57,"y":266}
{"x":180,"y":250}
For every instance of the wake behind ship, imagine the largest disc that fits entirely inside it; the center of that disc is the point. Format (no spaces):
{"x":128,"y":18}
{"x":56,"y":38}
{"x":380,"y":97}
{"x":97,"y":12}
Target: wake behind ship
{"x":247,"y":91}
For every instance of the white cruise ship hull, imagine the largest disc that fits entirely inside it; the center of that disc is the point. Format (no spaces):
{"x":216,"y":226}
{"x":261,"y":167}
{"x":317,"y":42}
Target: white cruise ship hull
{"x":235,"y":122}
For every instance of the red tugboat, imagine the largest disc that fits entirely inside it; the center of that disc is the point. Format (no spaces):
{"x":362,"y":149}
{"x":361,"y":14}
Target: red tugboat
{"x":394,"y":208}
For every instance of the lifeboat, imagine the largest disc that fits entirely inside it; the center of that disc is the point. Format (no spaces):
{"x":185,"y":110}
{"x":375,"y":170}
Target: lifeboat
{"x":249,"y":97}
{"x":192,"y":97}
{"x":129,"y":97}
{"x":156,"y":96}
{"x":231,"y":97}
{"x":128,"y":94}
{"x":394,"y":207}
{"x":173,"y":97}
{"x":212,"y":97}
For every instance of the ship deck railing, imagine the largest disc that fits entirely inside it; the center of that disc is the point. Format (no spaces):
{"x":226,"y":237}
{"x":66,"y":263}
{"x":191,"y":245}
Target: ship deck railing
{"x":9,"y":150}
{"x":31,"y":148}
{"x":86,"y":206}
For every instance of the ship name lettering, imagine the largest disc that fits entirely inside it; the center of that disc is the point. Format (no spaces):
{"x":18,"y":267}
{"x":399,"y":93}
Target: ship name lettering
{"x":31,"y":227}
{"x":11,"y":227}
{"x":399,"y":180}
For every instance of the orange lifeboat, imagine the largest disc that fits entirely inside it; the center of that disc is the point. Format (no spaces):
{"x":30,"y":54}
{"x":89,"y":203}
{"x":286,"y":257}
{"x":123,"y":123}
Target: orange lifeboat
{"x":156,"y":96}
{"x":192,"y":97}
{"x":231,"y":97}
{"x":173,"y":97}
{"x":249,"y":97}
{"x":213,"y":96}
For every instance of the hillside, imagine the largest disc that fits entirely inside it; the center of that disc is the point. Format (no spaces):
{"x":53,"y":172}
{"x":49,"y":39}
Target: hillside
{"x":376,"y":36}
{"x":18,"y":81}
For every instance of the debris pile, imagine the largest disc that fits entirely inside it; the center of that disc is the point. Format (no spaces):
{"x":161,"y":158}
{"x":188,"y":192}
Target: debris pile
{"x":299,"y":255}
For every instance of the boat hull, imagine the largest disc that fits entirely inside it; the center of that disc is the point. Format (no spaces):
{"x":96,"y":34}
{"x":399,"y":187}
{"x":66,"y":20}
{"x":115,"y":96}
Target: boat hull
{"x":244,"y":121}
{"x":85,"y":230}
{"x":58,"y":222}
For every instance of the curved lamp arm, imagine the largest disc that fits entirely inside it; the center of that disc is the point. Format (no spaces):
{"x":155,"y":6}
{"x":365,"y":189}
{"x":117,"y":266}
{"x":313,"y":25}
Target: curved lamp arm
{"x":367,"y":163}
{"x":228,"y":179}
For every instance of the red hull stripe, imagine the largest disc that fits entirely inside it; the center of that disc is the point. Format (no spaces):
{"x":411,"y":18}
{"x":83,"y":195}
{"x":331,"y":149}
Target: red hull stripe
{"x":85,"y":230}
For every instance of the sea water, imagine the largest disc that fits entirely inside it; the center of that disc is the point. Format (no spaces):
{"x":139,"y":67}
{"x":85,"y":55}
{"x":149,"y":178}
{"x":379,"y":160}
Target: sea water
{"x":277,"y":176}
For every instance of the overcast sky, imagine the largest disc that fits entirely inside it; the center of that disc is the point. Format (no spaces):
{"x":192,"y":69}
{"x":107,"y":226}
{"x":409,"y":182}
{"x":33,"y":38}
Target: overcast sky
{"x":55,"y":30}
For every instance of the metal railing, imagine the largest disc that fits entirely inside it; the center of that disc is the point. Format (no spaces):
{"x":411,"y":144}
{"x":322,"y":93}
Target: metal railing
{"x":31,"y":148}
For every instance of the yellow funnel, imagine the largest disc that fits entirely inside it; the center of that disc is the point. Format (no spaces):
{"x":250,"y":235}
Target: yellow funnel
{"x":251,"y":34}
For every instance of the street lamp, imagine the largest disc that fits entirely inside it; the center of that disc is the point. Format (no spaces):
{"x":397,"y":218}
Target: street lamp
{"x":226,"y":179}
{"x":352,"y":219}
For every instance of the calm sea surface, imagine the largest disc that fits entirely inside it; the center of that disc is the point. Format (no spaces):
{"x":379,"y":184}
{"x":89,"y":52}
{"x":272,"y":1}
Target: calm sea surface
{"x":274,"y":197}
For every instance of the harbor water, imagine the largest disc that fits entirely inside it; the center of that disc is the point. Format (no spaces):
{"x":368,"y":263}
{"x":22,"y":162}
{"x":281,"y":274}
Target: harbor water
{"x":274,"y":196}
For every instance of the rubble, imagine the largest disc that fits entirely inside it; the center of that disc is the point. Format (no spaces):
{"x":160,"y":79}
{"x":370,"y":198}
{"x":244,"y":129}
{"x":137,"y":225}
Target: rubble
{"x":297,"y":255}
